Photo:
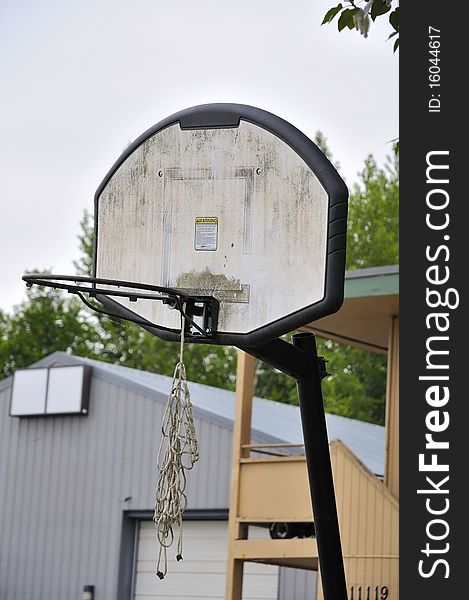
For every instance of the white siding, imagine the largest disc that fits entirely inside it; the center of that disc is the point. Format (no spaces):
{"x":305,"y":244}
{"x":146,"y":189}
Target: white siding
{"x":201,"y":575}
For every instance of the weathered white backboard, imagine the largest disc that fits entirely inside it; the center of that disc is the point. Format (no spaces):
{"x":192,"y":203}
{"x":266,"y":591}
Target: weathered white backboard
{"x":232,"y":202}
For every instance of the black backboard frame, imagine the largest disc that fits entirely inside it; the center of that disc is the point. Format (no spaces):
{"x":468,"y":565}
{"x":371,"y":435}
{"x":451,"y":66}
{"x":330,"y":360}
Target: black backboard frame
{"x":214,"y":116}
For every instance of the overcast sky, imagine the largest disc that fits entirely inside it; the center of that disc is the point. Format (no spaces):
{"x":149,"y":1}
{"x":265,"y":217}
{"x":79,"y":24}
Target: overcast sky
{"x":80,"y":80}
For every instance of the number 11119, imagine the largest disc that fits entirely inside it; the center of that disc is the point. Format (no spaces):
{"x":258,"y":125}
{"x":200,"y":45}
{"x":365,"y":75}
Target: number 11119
{"x":369,"y":592}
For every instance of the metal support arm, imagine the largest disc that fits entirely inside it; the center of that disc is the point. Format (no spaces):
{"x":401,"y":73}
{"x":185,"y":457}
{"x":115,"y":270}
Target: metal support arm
{"x":283,"y":356}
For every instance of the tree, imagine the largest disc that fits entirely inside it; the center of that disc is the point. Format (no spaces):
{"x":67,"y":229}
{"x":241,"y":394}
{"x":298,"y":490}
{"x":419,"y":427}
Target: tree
{"x":321,"y":142}
{"x":356,"y":385}
{"x":351,"y":16}
{"x":373,"y":220}
{"x":84,"y":265}
{"x":42,"y":324}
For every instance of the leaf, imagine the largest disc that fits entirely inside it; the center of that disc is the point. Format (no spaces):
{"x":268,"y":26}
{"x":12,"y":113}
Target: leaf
{"x":394,"y":19}
{"x":346,"y":19}
{"x":396,"y":45}
{"x":379,"y":8}
{"x":391,"y":35}
{"x":331,"y":13}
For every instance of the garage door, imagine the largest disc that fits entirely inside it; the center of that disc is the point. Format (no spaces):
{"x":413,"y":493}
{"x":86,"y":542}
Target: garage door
{"x":202,"y":572}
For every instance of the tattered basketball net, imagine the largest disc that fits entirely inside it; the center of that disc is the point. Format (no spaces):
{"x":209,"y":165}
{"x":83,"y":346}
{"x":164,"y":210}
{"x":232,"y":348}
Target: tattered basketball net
{"x":179,"y":450}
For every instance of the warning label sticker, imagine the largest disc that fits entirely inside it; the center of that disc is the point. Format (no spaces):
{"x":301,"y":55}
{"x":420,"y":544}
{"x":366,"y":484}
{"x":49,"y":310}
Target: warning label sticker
{"x":206,"y":233}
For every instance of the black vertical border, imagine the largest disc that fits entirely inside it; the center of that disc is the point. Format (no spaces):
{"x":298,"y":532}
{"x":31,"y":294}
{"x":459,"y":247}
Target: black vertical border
{"x":421,"y":132}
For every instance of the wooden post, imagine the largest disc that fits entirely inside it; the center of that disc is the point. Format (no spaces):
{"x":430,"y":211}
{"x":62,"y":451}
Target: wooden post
{"x":241,"y":435}
{"x":391,"y":476}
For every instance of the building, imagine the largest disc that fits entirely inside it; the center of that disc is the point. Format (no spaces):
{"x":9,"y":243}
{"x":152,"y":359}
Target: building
{"x":77,"y":491}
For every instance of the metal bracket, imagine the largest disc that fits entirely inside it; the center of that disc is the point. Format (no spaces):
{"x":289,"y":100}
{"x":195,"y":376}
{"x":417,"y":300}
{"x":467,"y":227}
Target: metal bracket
{"x":202,"y":313}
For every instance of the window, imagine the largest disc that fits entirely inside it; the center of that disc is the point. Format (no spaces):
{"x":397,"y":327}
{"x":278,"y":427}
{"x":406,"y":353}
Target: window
{"x":50,"y":391}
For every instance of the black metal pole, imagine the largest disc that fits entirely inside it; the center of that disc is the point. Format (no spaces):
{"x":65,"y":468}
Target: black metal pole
{"x":320,"y":473}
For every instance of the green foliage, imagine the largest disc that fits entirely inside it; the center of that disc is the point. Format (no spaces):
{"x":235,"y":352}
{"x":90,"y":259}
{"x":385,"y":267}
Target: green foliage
{"x":346,"y":19}
{"x":394,"y":20}
{"x":372,"y":231}
{"x":321,"y":142}
{"x":352,"y":16}
{"x":129,"y":345}
{"x":379,"y":7}
{"x":331,"y":13}
{"x":275,"y":385}
{"x":355,"y":386}
{"x":44,"y":323}
{"x":84,"y":266}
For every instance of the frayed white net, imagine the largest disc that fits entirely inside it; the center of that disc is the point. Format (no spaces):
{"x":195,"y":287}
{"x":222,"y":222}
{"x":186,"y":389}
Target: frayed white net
{"x":178,"y":452}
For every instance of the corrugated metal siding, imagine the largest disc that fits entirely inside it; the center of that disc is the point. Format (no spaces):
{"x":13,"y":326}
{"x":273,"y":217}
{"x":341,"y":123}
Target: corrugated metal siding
{"x":297,"y":584}
{"x":64,"y":484}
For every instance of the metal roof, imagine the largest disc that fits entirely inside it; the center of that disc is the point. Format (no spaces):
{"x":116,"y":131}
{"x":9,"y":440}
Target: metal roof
{"x":271,"y":421}
{"x":372,"y":281}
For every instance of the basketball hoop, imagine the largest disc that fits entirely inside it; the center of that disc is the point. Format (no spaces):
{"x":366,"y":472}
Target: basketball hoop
{"x":239,"y":223}
{"x":199,"y":313}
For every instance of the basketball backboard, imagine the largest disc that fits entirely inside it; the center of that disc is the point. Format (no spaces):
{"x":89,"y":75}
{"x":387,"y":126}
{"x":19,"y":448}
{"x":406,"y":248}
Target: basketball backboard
{"x":228,"y":201}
